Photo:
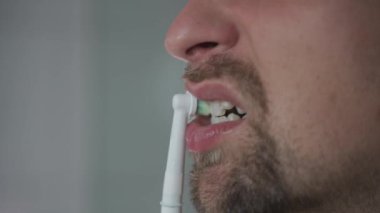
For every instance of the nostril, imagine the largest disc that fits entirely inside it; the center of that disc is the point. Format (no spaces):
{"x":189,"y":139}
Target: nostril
{"x":201,"y":47}
{"x":208,"y":44}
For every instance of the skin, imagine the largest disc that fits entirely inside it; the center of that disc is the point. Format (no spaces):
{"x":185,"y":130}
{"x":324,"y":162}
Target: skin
{"x":311,"y":140}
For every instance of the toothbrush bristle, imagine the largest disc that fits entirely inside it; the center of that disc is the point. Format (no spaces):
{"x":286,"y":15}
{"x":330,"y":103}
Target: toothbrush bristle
{"x":203,"y":108}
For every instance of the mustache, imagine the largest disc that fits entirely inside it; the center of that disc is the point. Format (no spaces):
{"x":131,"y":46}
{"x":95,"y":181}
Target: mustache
{"x":243,"y":75}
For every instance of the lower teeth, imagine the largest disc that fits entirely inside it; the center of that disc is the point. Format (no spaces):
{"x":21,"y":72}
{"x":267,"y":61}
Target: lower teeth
{"x":221,"y":119}
{"x":216,"y":120}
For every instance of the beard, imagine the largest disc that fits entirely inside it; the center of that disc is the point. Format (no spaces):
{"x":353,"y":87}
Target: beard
{"x":241,"y":175}
{"x":260,"y":170}
{"x":249,"y":182}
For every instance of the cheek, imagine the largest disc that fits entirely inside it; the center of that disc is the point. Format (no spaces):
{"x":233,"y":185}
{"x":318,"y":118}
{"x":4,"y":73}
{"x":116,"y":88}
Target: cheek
{"x":321,"y":105}
{"x":305,"y":56}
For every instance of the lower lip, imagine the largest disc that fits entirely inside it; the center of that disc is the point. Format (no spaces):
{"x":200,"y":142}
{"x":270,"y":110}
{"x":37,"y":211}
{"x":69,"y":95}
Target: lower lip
{"x":202,"y":138}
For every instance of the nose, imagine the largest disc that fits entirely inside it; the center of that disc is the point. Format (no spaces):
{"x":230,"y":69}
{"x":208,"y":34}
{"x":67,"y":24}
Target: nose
{"x":200,"y":31}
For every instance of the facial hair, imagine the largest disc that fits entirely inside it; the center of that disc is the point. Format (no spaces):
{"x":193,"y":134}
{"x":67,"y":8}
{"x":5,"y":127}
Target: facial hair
{"x":251,"y":182}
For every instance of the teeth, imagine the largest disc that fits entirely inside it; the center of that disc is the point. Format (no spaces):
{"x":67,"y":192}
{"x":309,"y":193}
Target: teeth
{"x":215,"y":120}
{"x":240,"y":111}
{"x":217,"y":108}
{"x":220,"y":111}
{"x":226,"y":105}
{"x":233,"y":117}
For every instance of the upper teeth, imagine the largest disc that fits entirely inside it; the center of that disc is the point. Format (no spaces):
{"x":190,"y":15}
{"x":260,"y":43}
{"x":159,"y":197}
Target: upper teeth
{"x":240,"y":111}
{"x":218,"y":108}
{"x":223,"y":111}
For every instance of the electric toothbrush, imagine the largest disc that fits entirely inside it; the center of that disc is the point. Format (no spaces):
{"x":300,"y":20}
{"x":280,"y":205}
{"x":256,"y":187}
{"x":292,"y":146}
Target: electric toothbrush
{"x":185,"y":107}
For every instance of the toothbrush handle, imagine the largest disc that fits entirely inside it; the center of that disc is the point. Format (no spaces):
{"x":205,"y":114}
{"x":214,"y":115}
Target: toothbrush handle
{"x":173,"y":181}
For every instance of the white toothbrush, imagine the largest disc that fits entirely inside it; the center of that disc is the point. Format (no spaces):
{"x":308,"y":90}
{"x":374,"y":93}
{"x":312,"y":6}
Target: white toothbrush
{"x":185,"y":107}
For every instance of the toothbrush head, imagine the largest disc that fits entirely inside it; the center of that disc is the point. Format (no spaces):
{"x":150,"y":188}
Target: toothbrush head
{"x":185,"y":102}
{"x":191,"y":105}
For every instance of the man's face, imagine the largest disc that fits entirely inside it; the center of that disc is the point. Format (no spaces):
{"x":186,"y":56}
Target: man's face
{"x":307,"y":75}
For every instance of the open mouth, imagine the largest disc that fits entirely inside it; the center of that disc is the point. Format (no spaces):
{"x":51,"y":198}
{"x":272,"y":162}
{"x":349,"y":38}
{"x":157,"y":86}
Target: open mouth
{"x":218,"y":115}
{"x":220,"y":111}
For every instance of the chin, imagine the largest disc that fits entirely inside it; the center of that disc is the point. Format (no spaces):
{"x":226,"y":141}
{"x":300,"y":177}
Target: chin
{"x":239,"y":177}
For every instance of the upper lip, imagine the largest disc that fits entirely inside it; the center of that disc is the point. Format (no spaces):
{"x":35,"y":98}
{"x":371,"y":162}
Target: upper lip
{"x":214,"y":90}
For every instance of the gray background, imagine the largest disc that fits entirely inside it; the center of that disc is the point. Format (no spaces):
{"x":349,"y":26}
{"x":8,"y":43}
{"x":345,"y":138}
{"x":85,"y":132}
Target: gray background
{"x":85,"y":97}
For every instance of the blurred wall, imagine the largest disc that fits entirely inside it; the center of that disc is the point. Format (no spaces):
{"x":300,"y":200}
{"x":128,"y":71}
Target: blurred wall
{"x":46,"y":113}
{"x":85,"y":105}
{"x":141,"y":80}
